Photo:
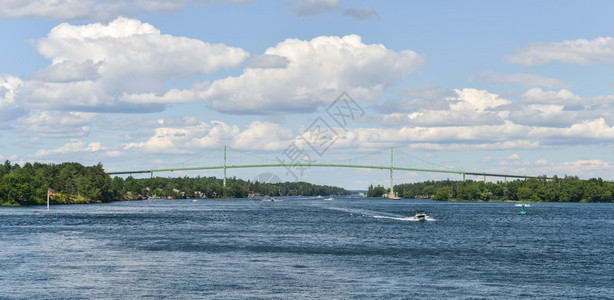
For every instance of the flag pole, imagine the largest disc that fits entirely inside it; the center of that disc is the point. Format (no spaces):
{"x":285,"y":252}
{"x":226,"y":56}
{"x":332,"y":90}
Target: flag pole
{"x":48,"y":194}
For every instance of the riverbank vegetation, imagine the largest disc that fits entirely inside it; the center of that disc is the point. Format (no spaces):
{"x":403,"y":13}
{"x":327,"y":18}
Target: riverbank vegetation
{"x":70,"y":183}
{"x":74,"y":183}
{"x":567,"y":189}
{"x":212,"y":187}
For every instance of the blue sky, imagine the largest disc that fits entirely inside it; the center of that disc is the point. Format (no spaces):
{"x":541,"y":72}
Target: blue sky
{"x":522,"y":87}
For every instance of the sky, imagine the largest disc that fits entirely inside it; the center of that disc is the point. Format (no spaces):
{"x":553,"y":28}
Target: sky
{"x":514,"y":87}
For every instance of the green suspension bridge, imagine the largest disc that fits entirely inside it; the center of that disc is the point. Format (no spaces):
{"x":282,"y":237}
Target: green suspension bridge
{"x":347,"y":163}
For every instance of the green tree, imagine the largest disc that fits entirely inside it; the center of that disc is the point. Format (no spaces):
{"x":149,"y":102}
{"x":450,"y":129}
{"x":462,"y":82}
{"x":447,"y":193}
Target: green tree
{"x":377,"y":191}
{"x":524,"y":193}
{"x":441,"y":195}
{"x":468,"y":192}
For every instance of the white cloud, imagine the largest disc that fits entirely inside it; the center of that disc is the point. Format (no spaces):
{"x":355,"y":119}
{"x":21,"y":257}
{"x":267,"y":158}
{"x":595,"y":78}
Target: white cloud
{"x":62,"y":9}
{"x":56,"y":124}
{"x":466,"y":107}
{"x":526,"y":80}
{"x":189,"y":135}
{"x":267,"y":61}
{"x":312,"y":8}
{"x":316,"y":73}
{"x":122,"y":67}
{"x":443,"y":118}
{"x":581,"y":51}
{"x":67,"y":71}
{"x":477,"y":100}
{"x":73,"y":147}
{"x":10,"y":109}
{"x":118,"y":66}
{"x":561,"y":97}
{"x":431,"y":142}
{"x":194,"y":138}
{"x":541,"y":162}
{"x":596,"y":129}
{"x":543,"y":115}
{"x":131,"y":123}
{"x":114,"y":153}
{"x":507,"y":135}
{"x":428,"y":92}
{"x":128,"y":41}
{"x":585,"y":168}
{"x":361,"y":14}
{"x":546,"y":118}
{"x":418,"y":98}
{"x":513,"y":157}
{"x":559,"y":108}
{"x":309,"y":8}
{"x":10,"y":158}
{"x":96,"y":10}
{"x":263,"y":136}
{"x":474,"y":135}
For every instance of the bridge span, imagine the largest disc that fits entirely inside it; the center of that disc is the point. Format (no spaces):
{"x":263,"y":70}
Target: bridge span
{"x":390,"y":167}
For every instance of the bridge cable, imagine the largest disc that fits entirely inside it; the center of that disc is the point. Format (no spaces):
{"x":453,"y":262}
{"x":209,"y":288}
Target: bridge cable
{"x":426,"y":161}
{"x":360,"y":157}
{"x":199,"y":156}
{"x":250,"y":154}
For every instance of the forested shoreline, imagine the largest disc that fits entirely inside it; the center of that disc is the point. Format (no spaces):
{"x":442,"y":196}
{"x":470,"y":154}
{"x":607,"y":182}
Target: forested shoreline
{"x":567,"y":189}
{"x":73,"y":183}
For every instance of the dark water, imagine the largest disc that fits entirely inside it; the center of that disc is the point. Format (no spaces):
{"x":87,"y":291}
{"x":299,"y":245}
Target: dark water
{"x":307,"y":248}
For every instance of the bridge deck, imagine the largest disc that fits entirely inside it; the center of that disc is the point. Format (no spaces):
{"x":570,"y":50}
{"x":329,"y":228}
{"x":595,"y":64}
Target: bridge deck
{"x":464,"y":173}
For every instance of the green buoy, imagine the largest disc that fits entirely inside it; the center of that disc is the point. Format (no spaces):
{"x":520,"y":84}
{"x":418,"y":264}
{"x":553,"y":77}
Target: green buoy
{"x":523,"y":211}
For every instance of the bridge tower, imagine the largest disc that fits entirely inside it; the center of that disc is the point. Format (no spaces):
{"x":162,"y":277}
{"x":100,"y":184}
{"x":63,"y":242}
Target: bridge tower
{"x":391,"y":170}
{"x":224,"y":182}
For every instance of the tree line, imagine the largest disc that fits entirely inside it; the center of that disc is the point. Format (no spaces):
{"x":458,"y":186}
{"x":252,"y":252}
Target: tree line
{"x":541,"y":189}
{"x":70,"y":183}
{"x":74,"y":183}
{"x":212,"y":187}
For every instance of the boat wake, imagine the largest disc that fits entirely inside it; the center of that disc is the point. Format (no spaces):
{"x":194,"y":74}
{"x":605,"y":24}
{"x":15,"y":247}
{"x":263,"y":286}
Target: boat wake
{"x":410,"y":219}
{"x":378,"y":214}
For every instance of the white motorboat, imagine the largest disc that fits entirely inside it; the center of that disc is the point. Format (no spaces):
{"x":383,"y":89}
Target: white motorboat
{"x":420,"y":215}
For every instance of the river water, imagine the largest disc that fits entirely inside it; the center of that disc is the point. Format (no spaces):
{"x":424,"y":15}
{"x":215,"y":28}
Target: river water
{"x":307,"y":248}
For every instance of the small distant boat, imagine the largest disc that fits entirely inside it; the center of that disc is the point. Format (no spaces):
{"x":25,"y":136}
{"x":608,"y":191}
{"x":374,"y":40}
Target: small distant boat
{"x":271,"y":200}
{"x":195,"y":200}
{"x":329,"y":199}
{"x":420,"y":215}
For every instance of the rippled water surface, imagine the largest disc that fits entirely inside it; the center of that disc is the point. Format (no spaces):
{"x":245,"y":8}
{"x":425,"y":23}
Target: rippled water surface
{"x":307,"y":248}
